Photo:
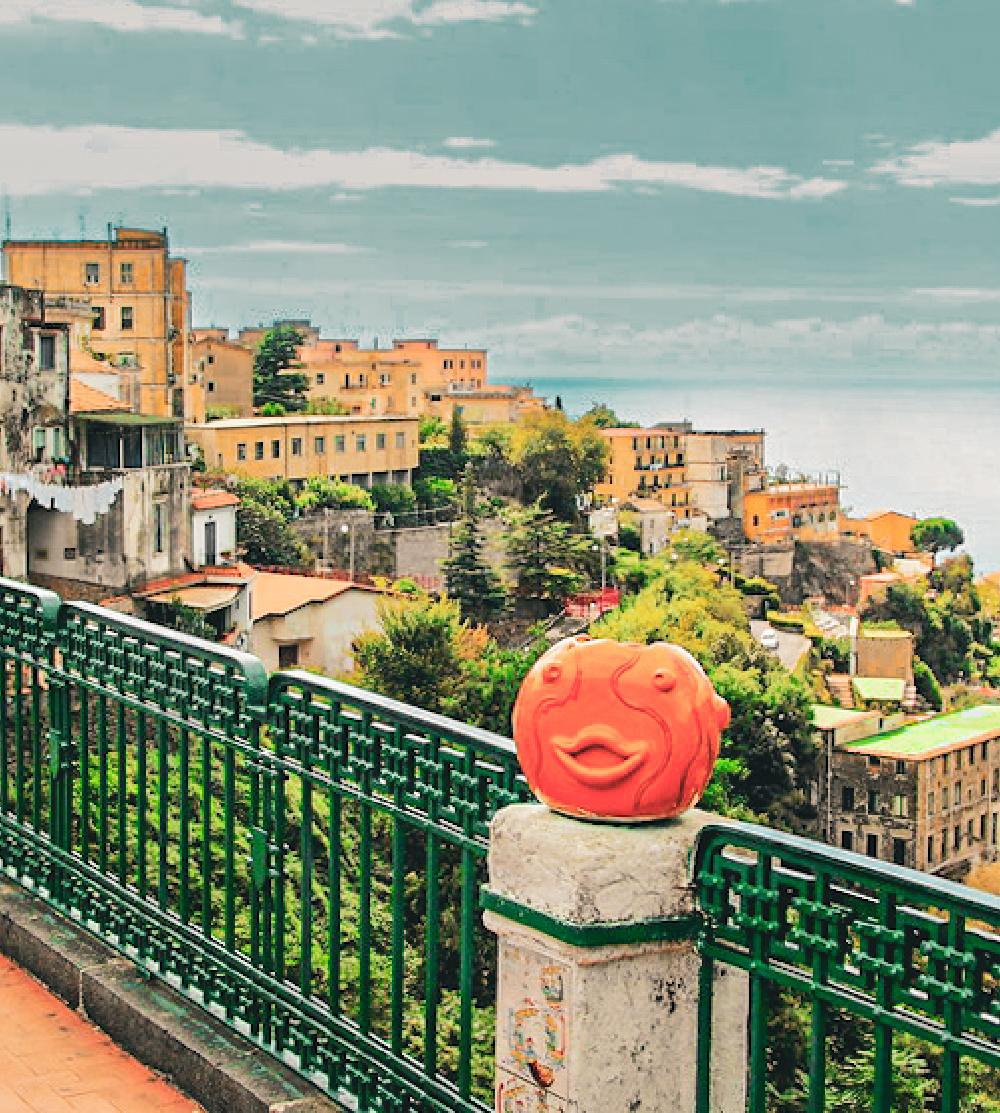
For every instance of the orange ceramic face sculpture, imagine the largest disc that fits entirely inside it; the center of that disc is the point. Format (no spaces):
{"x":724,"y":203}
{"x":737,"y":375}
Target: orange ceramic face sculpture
{"x":618,"y":731}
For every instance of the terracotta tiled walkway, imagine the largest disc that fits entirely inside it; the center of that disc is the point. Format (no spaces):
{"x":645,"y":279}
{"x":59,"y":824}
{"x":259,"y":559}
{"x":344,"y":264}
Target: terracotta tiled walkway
{"x":53,"y":1061}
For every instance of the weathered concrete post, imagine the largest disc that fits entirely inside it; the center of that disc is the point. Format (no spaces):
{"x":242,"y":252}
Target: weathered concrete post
{"x":597,"y":1002}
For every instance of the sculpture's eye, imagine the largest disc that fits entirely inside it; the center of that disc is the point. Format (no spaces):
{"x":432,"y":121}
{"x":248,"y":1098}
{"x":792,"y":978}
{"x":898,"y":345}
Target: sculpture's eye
{"x":552,"y":673}
{"x":664,"y":680}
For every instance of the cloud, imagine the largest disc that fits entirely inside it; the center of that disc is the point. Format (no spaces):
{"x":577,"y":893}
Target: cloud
{"x":375,"y":18}
{"x":45,"y":160}
{"x":470,"y":245}
{"x":467,"y":143}
{"x":727,"y":336}
{"x":974,"y":162}
{"x":975,"y":202}
{"x":276,"y":247}
{"x":117,"y":15}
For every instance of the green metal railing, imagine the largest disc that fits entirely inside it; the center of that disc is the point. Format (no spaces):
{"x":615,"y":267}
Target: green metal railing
{"x":302,"y":858}
{"x":879,"y":945}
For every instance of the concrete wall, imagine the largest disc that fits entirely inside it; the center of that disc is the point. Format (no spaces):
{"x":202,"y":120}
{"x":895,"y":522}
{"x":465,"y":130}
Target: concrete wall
{"x":888,"y":654}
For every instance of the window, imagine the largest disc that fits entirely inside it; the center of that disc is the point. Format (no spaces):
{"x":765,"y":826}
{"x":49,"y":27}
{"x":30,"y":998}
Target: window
{"x":944,"y":767}
{"x":847,"y":798}
{"x":46,"y":353}
{"x":241,"y":451}
{"x":944,"y":845}
{"x":380,"y":441}
{"x":873,"y":801}
{"x":847,"y":840}
{"x":126,"y":272}
{"x":296,"y":446}
{"x":97,"y":317}
{"x":958,"y":759}
{"x":982,"y":789}
{"x":984,"y":750}
{"x":930,"y":848}
{"x":275,"y":450}
{"x":944,"y":798}
{"x":158,"y":524}
{"x":92,"y":273}
{"x":258,"y":450}
{"x":384,"y":379}
{"x":957,"y":798}
{"x":930,"y":803}
{"x":127,"y":318}
{"x":360,"y":442}
{"x":401,"y":440}
{"x":958,"y":837}
{"x":899,"y":851}
{"x":900,"y":767}
{"x":413,"y":378}
{"x":899,"y":804}
{"x":871,"y":846}
{"x":982,"y":827}
{"x":211,"y":387}
{"x":320,"y":378}
{"x":319,"y":446}
{"x":288,"y":656}
{"x":211,"y":360}
{"x":968,"y":832}
{"x":993,"y":837}
{"x":874,"y":762}
{"x":340,"y":443}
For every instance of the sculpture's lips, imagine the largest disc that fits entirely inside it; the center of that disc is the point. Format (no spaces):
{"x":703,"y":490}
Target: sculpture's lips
{"x":599,"y":758}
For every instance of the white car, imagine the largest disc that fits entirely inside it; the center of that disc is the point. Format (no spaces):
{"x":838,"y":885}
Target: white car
{"x":769,"y":639}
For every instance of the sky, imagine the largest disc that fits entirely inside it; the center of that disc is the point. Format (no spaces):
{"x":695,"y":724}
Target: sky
{"x":637,"y":188}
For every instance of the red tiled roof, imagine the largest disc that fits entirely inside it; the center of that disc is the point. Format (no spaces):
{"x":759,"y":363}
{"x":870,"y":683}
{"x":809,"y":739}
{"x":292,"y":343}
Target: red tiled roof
{"x":85,"y":399}
{"x":213,"y":499}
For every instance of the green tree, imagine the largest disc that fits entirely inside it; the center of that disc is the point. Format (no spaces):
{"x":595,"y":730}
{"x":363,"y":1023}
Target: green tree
{"x":415,"y":658}
{"x":265,"y":537}
{"x":273,"y":382}
{"x":851,"y":1088}
{"x":394,"y":498}
{"x":943,"y":636}
{"x":602,"y":416}
{"x":558,"y":460}
{"x":937,"y":535}
{"x":545,"y":557}
{"x":458,"y":439}
{"x":470,"y":580}
{"x":319,"y":492}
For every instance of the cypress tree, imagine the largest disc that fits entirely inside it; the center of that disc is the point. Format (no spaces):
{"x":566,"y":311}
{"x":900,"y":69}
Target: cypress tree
{"x":471,"y":582}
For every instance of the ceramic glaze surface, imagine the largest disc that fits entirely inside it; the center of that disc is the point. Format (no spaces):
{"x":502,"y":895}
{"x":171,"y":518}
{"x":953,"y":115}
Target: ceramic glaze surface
{"x":618,"y":731}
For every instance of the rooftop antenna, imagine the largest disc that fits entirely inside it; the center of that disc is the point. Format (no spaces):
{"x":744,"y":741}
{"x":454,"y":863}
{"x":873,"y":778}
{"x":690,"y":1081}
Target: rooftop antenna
{"x":7,"y":223}
{"x":82,"y":214}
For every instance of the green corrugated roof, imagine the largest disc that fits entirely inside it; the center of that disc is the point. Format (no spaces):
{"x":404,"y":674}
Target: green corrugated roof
{"x":940,"y":733}
{"x":829,"y":718}
{"x":879,"y":688}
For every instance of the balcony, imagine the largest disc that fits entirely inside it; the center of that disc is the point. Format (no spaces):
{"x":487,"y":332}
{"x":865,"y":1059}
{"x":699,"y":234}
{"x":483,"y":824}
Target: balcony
{"x":308,"y":862}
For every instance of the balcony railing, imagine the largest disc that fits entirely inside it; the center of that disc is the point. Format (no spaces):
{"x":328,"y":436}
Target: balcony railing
{"x":306,"y":861}
{"x":302,"y":858}
{"x":903,"y":951}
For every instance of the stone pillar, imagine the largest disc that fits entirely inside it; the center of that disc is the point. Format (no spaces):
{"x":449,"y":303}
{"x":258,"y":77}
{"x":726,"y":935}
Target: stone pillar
{"x":597,"y":997}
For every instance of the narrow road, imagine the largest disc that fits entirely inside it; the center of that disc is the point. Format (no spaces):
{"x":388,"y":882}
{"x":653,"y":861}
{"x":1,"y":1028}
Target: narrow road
{"x":791,"y":647}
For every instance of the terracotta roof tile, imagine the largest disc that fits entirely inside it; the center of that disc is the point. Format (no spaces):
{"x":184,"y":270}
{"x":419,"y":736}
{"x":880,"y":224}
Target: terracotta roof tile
{"x":85,"y":399}
{"x":278,"y":593}
{"x":213,"y":499}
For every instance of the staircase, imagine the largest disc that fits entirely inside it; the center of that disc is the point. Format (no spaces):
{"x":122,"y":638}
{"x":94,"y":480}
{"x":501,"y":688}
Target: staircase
{"x":839,"y":686}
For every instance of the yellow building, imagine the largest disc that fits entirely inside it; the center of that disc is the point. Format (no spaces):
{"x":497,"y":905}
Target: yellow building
{"x":413,"y":377}
{"x":648,"y":463}
{"x":803,"y":510}
{"x":362,"y":450}
{"x":139,"y":301}
{"x":220,"y":376}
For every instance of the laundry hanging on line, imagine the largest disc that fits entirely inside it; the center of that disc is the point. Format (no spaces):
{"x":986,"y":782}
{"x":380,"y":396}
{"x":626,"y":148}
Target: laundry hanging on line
{"x":86,"y":504}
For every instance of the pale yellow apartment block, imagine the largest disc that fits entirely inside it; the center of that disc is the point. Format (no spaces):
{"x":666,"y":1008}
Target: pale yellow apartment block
{"x":140,"y":306}
{"x":362,"y":450}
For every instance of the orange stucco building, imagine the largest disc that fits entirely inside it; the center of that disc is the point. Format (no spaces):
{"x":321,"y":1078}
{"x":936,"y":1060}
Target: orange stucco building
{"x":645,"y":462}
{"x":806,"y":511}
{"x":139,"y":305}
{"x":220,"y":378}
{"x":413,"y":377}
{"x":887,"y":529}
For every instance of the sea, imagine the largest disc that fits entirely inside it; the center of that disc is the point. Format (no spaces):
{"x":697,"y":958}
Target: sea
{"x":920,"y":443}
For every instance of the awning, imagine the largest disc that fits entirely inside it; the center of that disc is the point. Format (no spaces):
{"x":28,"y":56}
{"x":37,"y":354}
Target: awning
{"x":879,"y":689}
{"x":117,"y":418}
{"x":202,"y":597}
